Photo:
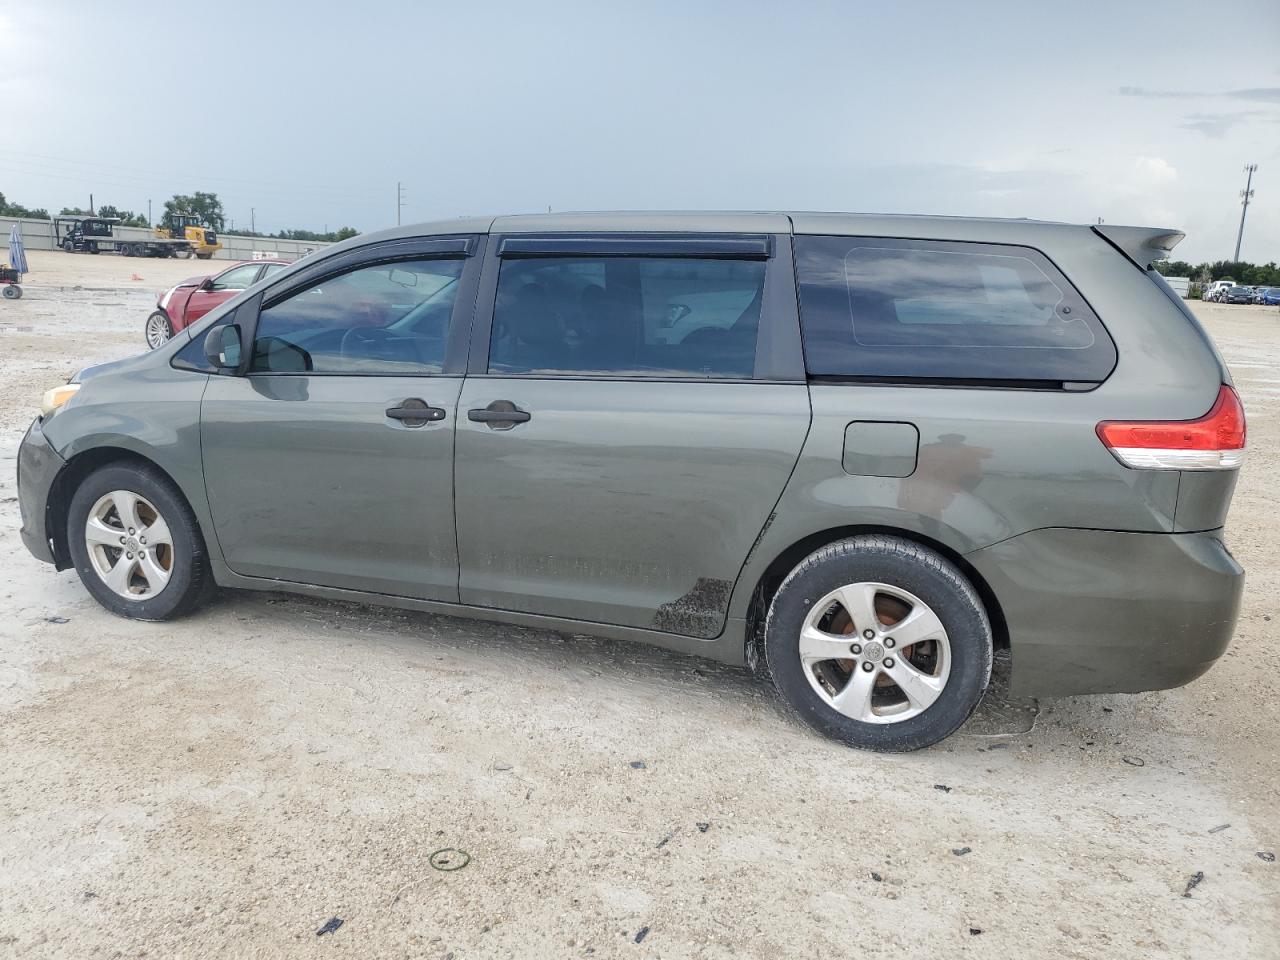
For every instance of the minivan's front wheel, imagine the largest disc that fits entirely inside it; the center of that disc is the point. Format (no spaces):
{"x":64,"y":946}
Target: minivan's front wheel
{"x":136,"y":545}
{"x":880,"y":643}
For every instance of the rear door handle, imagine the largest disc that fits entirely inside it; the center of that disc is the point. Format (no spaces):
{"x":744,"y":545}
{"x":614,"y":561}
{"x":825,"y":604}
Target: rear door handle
{"x":499,"y":415}
{"x":415,"y":412}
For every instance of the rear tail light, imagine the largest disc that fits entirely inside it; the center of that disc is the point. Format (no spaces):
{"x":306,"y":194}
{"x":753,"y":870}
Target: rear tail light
{"x":1212,"y":442}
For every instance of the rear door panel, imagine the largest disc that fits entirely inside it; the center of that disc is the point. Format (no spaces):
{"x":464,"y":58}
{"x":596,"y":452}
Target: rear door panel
{"x":620,"y":502}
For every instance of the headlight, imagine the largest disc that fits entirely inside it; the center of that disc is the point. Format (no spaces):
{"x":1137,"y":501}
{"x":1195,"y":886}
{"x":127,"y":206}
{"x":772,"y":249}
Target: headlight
{"x":56,"y":397}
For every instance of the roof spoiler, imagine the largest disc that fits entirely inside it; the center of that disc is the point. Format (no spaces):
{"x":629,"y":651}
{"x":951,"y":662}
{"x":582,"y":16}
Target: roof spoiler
{"x":1142,"y":245}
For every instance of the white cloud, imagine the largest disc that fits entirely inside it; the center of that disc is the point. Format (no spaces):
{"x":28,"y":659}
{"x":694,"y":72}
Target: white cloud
{"x":1154,"y":170}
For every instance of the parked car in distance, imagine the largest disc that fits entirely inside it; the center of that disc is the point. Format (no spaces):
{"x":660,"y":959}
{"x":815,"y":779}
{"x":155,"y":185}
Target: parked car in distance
{"x":1269,"y":296}
{"x":185,"y":303}
{"x":661,"y":427}
{"x":1214,"y":291}
{"x":1237,"y":294}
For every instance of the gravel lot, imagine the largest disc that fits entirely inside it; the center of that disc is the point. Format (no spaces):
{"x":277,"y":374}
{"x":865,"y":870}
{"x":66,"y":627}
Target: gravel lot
{"x":224,"y":785}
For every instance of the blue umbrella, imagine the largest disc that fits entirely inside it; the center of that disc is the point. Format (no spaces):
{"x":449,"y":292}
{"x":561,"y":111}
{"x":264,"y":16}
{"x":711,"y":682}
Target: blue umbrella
{"x":17,"y":255}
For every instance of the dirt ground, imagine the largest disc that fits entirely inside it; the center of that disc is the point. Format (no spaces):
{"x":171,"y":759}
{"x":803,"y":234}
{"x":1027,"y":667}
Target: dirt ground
{"x":224,"y":785}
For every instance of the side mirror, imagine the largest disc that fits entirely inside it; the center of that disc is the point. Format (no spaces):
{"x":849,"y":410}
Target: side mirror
{"x":206,"y":283}
{"x":223,"y":346}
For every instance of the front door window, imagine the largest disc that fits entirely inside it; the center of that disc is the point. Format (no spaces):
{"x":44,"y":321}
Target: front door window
{"x":378,"y":319}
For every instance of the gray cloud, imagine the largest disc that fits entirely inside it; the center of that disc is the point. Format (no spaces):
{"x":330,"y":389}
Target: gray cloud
{"x":1212,"y":125}
{"x":1263,"y":94}
{"x":1216,"y":125}
{"x":1161,"y":94}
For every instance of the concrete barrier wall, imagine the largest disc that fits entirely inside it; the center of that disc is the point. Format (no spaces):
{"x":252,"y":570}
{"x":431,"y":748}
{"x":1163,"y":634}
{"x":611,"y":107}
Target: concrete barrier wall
{"x":38,"y":235}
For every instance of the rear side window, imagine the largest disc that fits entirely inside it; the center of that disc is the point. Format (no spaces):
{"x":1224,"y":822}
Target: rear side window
{"x":883,"y":309}
{"x":627,"y":316}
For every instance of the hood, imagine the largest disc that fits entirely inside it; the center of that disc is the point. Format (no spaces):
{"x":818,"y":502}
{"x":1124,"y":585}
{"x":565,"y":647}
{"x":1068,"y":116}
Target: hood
{"x":98,"y":369}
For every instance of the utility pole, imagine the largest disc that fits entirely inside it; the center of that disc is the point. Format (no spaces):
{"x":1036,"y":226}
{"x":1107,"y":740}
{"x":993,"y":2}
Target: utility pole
{"x":150,"y":222}
{"x":252,"y":222}
{"x":91,"y":213}
{"x":399,"y":200}
{"x":1246,"y":195}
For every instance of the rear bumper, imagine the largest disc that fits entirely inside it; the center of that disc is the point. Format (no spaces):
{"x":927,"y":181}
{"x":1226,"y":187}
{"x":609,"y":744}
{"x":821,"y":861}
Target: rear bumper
{"x":1096,"y":611}
{"x":38,"y":465}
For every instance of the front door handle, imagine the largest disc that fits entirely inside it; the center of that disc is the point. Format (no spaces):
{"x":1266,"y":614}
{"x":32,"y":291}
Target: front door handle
{"x":415,"y":412}
{"x":499,"y":415}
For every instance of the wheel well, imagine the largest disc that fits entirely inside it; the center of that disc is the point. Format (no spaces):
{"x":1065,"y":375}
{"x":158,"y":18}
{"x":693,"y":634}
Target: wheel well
{"x":787,"y":561}
{"x":64,"y":488}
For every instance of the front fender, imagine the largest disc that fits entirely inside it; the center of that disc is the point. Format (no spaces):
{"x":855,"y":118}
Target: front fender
{"x":146,"y":409}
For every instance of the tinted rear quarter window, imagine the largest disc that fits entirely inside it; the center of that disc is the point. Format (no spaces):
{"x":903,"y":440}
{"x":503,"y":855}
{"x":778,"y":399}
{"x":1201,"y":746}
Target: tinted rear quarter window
{"x":887,"y":309}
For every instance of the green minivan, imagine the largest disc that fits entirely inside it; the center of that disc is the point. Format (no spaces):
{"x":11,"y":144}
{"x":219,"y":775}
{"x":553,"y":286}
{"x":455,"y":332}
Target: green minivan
{"x":858,"y":453}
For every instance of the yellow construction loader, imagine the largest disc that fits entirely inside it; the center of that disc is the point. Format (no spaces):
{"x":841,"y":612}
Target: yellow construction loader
{"x":186,"y":226}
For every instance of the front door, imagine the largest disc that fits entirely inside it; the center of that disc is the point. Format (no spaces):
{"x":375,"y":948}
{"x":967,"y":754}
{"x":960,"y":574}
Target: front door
{"x":330,"y":461}
{"x":620,"y":443}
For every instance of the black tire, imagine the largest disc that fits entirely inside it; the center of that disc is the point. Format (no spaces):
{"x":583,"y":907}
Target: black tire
{"x":190,"y":580}
{"x":12,"y":291}
{"x":68,"y":246}
{"x":204,"y":256}
{"x":908,"y":566}
{"x":184,"y":253}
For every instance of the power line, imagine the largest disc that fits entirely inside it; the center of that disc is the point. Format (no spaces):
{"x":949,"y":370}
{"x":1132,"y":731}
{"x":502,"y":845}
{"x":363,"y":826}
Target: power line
{"x":1246,"y":195}
{"x":306,"y":194}
{"x":130,"y":172}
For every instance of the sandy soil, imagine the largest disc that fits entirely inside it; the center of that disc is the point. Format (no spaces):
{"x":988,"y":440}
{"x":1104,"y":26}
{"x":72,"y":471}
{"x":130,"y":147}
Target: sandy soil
{"x":224,"y":785}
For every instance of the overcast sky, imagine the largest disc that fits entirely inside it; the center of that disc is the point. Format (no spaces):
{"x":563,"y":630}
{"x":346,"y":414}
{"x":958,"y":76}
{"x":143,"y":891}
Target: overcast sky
{"x":309,"y":113}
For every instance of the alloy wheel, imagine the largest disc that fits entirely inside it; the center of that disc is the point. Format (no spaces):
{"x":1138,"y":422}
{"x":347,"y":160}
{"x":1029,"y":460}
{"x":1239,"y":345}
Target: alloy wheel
{"x":875,"y":652}
{"x":157,"y":330}
{"x":130,"y":545}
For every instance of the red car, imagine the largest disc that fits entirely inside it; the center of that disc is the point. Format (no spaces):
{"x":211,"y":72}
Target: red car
{"x":179,"y":307}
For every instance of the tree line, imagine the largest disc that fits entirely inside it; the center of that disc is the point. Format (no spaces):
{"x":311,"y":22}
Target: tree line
{"x":1241,"y":271}
{"x":204,"y":205}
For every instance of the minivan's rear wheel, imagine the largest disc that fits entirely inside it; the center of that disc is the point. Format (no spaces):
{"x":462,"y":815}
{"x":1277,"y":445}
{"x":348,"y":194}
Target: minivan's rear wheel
{"x":880,"y":643}
{"x":136,"y":545}
{"x":158,"y":329}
